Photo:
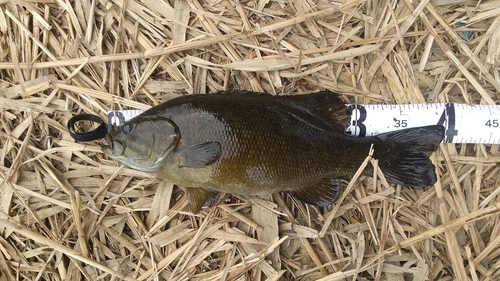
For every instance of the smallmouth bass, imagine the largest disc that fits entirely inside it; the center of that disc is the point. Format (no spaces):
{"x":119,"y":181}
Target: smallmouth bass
{"x":253,"y":143}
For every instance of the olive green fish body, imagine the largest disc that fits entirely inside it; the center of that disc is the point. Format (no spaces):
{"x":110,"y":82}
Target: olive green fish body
{"x":264,"y":146}
{"x":247,"y":143}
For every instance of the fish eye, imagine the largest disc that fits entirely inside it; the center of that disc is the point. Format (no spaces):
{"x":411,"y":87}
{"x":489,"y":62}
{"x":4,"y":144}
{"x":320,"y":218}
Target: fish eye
{"x":126,"y":128}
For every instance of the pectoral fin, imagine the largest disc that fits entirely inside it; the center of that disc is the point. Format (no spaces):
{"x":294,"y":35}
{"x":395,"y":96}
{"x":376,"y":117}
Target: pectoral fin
{"x":199,"y":155}
{"x":323,"y":193}
{"x":198,"y":198}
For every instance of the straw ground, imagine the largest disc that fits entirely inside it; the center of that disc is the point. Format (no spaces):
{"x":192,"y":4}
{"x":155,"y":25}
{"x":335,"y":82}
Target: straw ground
{"x":69,"y":213}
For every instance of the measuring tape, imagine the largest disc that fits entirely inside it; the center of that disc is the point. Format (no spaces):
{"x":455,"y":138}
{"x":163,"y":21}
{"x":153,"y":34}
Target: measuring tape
{"x":464,"y":123}
{"x":118,"y":117}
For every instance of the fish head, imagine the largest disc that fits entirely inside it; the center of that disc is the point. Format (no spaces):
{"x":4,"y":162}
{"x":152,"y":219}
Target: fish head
{"x":143,"y":143}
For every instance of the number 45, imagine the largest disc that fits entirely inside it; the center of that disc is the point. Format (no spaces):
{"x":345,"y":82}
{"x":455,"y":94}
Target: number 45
{"x":492,"y":123}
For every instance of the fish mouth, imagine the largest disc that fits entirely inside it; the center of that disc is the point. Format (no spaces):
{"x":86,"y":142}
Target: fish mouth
{"x":109,"y":140}
{"x":111,"y":148}
{"x":107,"y":149}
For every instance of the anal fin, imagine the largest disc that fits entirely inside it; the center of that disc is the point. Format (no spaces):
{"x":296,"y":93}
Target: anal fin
{"x":198,"y":198}
{"x":323,"y":193}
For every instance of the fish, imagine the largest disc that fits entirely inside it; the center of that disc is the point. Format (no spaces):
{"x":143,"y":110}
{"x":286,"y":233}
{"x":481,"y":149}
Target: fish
{"x":248,"y":143}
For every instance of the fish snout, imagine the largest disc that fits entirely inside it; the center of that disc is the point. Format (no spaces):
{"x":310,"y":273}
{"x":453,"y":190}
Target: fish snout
{"x":114,"y":147}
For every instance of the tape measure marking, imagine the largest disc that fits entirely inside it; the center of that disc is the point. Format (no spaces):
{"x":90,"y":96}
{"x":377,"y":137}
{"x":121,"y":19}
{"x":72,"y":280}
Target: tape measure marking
{"x":118,"y":117}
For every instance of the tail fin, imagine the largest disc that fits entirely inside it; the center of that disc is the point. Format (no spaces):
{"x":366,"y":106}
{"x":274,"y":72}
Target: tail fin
{"x":404,"y":155}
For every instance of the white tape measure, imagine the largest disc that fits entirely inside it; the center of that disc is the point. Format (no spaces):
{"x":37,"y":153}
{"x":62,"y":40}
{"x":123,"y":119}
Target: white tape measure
{"x":118,"y":117}
{"x":464,"y":123}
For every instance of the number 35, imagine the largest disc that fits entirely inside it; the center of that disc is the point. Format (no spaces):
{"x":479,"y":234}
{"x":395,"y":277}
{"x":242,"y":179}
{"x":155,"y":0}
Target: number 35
{"x":400,"y":123}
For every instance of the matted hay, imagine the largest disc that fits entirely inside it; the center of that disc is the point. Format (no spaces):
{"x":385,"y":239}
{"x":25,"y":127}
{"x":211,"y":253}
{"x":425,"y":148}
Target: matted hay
{"x":70,"y":213}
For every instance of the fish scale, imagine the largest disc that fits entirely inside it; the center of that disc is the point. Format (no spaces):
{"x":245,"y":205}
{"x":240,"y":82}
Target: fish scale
{"x":254,"y":138}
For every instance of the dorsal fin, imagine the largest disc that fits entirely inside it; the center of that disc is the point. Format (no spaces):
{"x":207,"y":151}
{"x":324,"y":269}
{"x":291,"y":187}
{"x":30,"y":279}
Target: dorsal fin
{"x":325,"y":105}
{"x":324,"y":109}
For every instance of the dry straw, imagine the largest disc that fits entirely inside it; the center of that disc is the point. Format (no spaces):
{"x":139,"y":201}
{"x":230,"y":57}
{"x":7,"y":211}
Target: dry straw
{"x":69,"y":213}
